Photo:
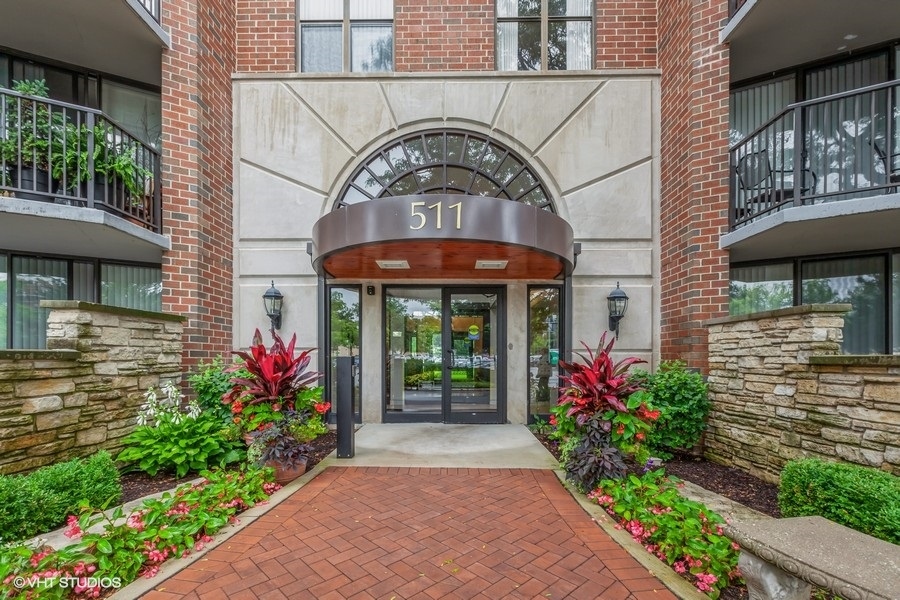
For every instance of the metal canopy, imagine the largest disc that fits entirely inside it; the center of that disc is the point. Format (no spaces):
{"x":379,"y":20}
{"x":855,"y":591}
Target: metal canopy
{"x":442,"y":236}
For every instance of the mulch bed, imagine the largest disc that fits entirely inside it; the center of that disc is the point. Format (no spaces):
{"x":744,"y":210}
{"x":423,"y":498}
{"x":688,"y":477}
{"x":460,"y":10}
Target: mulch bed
{"x":730,"y":482}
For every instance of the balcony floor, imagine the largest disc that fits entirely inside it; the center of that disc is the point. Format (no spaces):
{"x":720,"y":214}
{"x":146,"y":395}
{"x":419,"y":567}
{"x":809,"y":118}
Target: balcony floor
{"x":31,"y":226}
{"x":846,"y":226}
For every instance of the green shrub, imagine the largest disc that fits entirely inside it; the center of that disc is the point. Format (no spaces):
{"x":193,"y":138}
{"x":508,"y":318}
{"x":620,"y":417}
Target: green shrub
{"x":120,"y":547}
{"x":210,"y":383}
{"x":180,"y":447}
{"x":39,"y":502}
{"x":682,"y":398}
{"x":858,"y":497}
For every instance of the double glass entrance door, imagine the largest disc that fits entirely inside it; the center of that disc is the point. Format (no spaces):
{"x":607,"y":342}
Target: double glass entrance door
{"x":444,"y":354}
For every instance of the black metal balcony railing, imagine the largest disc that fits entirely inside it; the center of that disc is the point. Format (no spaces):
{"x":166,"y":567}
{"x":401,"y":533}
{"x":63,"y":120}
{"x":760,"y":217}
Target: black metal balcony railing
{"x":839,"y":147}
{"x":56,"y":152}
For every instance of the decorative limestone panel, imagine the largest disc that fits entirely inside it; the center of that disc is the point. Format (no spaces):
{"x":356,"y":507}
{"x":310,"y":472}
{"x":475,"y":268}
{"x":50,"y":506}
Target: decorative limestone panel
{"x":82,"y":394}
{"x":781,"y":390}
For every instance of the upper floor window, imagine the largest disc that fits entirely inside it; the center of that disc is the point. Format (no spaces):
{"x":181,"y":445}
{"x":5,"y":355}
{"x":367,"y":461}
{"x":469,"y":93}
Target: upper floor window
{"x":346,"y":35}
{"x":541,"y":35}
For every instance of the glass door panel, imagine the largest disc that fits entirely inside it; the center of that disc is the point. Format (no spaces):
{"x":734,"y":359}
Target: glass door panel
{"x":413,"y":354}
{"x":472,"y":364}
{"x":443,"y":355}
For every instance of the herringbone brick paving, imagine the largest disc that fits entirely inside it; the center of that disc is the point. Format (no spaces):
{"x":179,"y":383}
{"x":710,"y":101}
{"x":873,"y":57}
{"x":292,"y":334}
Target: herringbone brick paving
{"x":356,"y":533}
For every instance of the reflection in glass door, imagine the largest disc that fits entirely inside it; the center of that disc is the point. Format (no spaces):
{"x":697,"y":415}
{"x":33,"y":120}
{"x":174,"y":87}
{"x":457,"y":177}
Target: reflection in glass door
{"x":472,"y":358}
{"x":443,"y":355}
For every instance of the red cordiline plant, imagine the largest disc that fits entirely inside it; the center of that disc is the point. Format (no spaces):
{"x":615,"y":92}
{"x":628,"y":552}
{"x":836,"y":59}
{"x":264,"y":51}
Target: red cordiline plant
{"x":600,"y":388}
{"x":603,"y":412}
{"x":276,"y":375}
{"x":598,"y":384}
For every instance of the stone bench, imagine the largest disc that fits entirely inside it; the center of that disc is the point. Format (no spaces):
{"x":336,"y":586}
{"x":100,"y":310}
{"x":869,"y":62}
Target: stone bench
{"x":780,"y":558}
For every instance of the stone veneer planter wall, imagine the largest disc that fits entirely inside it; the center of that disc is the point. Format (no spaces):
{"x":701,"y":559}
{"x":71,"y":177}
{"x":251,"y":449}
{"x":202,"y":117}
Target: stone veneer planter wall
{"x":82,"y":393}
{"x":781,"y":390}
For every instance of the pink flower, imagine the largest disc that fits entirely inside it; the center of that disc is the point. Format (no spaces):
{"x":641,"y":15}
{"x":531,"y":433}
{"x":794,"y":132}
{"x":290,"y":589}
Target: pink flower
{"x":73,"y":529}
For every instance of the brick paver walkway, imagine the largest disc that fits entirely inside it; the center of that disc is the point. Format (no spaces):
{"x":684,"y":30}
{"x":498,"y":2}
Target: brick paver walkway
{"x":397,"y":533}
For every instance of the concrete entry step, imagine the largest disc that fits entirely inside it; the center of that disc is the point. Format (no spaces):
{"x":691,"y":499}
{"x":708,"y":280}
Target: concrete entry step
{"x":442,"y":445}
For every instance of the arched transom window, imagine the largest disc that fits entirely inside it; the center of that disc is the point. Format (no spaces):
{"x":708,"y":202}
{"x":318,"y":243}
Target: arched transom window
{"x":445,"y":162}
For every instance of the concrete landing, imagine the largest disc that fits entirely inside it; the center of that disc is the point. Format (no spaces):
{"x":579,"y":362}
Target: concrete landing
{"x":442,"y":445}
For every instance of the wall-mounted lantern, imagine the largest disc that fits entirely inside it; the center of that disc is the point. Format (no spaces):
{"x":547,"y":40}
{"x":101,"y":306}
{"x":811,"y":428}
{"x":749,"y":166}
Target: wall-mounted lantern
{"x":617,"y":301}
{"x":273,"y":300}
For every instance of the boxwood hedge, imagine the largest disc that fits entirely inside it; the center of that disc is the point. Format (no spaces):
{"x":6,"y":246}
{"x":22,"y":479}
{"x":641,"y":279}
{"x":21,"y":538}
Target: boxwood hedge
{"x":858,"y":497}
{"x":40,"y":501}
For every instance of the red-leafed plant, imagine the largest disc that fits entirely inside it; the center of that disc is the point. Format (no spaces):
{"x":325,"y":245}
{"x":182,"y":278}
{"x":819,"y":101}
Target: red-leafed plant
{"x":597,"y":384}
{"x":601,"y":413}
{"x":275,"y":377}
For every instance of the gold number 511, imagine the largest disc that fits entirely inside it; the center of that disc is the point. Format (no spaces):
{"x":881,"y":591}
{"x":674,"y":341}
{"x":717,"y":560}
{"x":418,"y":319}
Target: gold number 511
{"x":437,"y":207}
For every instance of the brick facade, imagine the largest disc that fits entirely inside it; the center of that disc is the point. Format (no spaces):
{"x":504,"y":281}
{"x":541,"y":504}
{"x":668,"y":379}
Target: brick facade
{"x":265,"y":36}
{"x":435,"y":36}
{"x":679,"y":38}
{"x":627,"y":35}
{"x":694,"y":192}
{"x":196,"y":95}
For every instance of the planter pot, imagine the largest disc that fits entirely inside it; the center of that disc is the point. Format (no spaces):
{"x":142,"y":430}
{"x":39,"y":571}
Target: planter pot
{"x":285,"y":474}
{"x":32,"y":179}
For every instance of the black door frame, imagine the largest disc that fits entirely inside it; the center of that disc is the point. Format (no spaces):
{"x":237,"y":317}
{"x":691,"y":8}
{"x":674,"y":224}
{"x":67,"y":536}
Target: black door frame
{"x":499,"y":416}
{"x":447,"y":415}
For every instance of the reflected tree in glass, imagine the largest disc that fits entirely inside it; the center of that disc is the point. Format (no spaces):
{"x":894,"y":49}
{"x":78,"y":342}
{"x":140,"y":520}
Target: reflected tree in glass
{"x":344,"y":324}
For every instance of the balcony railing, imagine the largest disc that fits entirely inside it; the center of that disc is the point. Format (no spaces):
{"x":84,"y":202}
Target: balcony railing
{"x":65,"y":154}
{"x":839,"y":147}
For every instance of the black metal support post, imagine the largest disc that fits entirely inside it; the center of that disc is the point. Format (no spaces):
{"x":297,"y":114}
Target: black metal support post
{"x":345,"y":427}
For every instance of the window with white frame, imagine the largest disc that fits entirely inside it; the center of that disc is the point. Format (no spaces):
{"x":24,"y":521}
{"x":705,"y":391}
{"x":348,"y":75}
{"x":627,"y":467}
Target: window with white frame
{"x":345,"y":35}
{"x":542,"y":35}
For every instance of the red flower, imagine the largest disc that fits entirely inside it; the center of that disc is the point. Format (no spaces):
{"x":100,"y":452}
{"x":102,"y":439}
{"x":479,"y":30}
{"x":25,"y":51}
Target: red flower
{"x":236,"y":407}
{"x":322,"y":407}
{"x":553,"y":420}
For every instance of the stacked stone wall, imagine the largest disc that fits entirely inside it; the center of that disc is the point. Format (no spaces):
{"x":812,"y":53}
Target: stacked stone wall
{"x":81,"y":395}
{"x":781,"y":390}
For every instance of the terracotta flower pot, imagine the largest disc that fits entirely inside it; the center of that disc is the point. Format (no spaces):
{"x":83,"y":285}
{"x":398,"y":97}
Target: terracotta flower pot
{"x":284,"y":473}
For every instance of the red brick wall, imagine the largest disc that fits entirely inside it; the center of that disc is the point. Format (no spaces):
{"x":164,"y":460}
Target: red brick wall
{"x":437,"y":36}
{"x":440,"y":36}
{"x":626,"y":34}
{"x":197,"y":172}
{"x":694,"y":178}
{"x":266,"y":36}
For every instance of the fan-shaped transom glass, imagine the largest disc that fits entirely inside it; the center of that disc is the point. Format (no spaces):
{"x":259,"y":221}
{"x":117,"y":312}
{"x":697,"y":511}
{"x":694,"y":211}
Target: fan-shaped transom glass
{"x":445,"y":162}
